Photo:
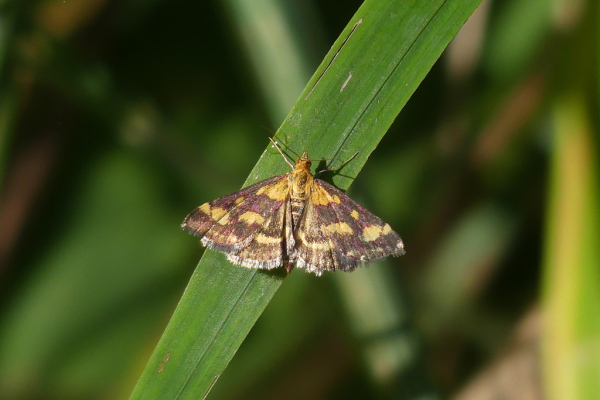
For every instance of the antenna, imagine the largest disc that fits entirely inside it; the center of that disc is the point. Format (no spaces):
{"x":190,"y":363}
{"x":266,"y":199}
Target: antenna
{"x":279,"y":149}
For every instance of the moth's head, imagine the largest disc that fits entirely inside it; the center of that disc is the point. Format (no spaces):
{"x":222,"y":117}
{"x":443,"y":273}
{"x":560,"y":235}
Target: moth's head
{"x":303,"y":161}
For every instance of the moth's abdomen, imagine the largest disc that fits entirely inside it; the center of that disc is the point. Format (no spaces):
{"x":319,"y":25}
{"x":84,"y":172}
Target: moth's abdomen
{"x":297,"y":205}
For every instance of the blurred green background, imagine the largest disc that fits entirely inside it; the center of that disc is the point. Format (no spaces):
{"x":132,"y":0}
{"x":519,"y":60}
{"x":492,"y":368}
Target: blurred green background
{"x":119,"y":117}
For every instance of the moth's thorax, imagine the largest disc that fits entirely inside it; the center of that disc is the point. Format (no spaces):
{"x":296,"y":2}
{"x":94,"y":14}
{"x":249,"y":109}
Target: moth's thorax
{"x":301,"y":179}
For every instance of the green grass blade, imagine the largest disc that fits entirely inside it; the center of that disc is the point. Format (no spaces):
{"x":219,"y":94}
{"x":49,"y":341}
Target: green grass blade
{"x":348,"y":105}
{"x":571,"y":294}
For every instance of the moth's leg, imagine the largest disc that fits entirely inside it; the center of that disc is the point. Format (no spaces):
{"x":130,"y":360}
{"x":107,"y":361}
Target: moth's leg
{"x":338,"y":167}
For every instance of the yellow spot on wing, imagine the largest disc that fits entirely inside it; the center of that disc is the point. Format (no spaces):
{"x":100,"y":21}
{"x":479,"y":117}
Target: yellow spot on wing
{"x":320,"y":197}
{"x":339,"y":227}
{"x":313,"y":245}
{"x":239,"y":200}
{"x":205,"y":208}
{"x":386,"y":229}
{"x":278,"y":191}
{"x":251,"y":217}
{"x":264,"y":239}
{"x":371,"y":233}
{"x":224,"y":220}
{"x":217,"y":213}
{"x":354,"y":214}
{"x":318,"y":245}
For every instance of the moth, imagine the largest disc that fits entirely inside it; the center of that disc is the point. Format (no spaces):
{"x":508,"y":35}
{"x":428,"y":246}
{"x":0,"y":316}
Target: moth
{"x":293,"y":220}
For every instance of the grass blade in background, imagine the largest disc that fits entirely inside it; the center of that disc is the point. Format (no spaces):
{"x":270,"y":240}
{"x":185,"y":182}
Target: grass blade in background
{"x":571,"y":351}
{"x":8,"y":98}
{"x":282,"y":65}
{"x":8,"y":107}
{"x":571,"y":273}
{"x":348,"y":105}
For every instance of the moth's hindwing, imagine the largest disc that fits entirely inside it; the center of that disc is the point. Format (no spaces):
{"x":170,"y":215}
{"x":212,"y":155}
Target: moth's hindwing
{"x":336,"y":233}
{"x":247,"y":225}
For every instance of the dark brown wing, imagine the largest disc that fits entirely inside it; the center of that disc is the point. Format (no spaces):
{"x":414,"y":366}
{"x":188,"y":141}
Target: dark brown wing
{"x":336,"y":233}
{"x":247,"y":225}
